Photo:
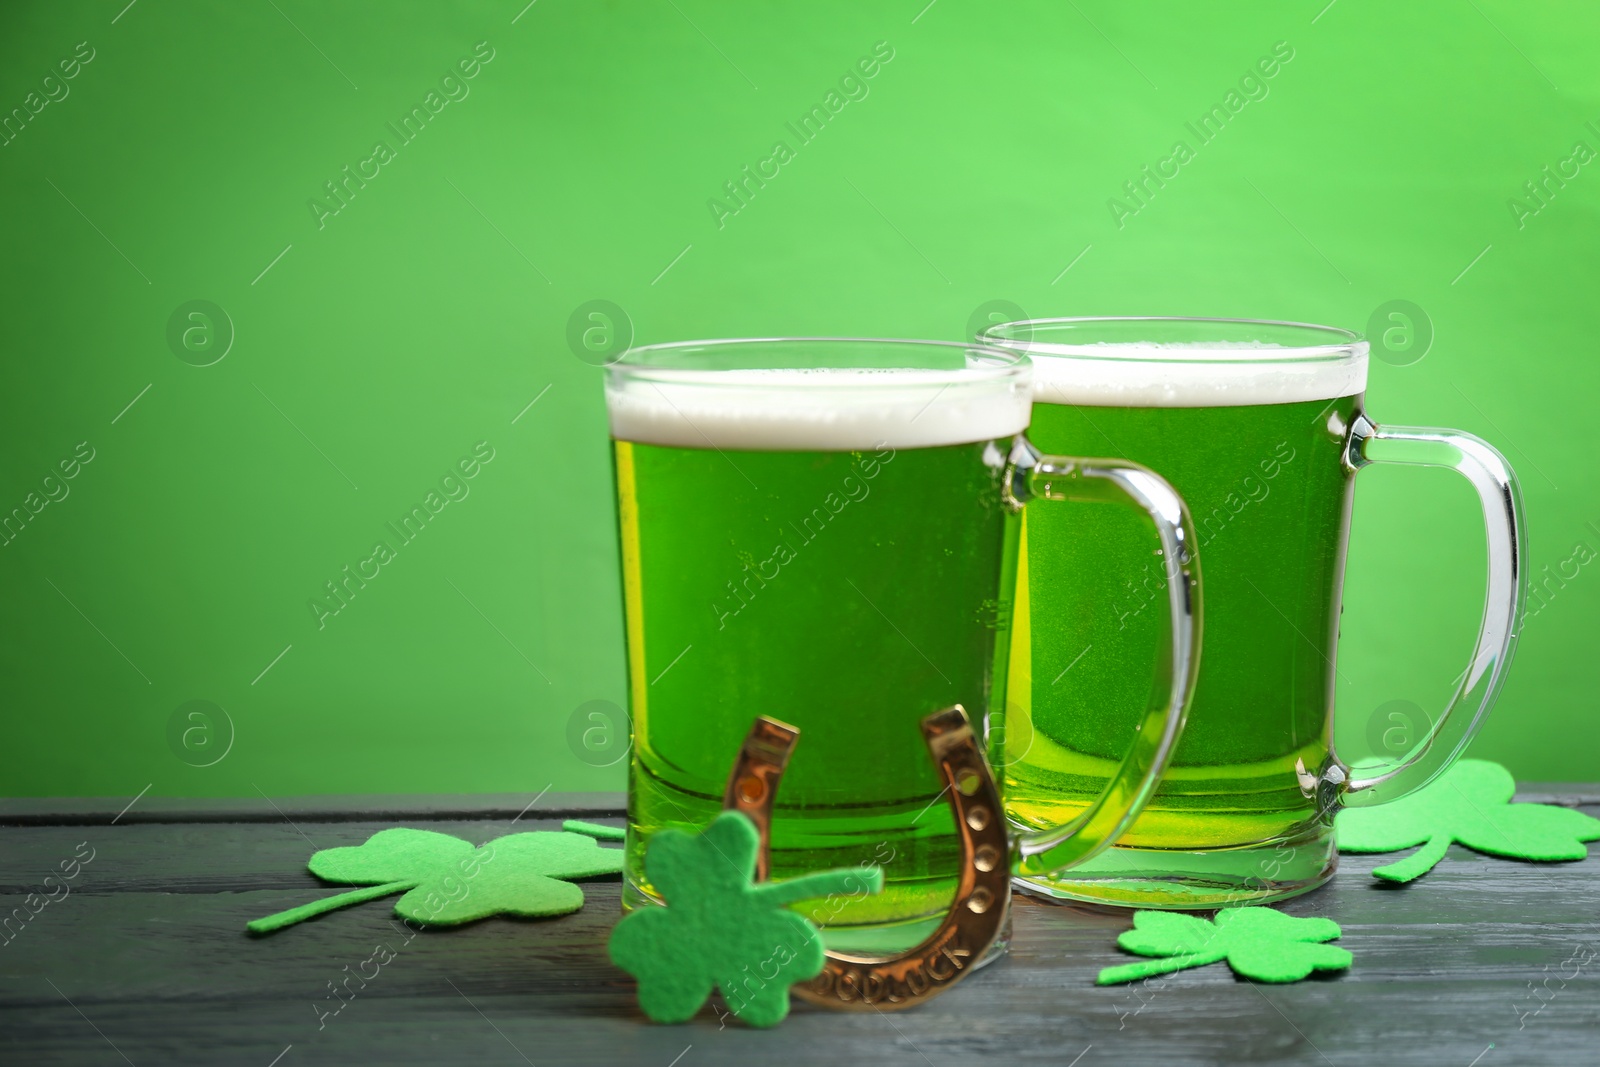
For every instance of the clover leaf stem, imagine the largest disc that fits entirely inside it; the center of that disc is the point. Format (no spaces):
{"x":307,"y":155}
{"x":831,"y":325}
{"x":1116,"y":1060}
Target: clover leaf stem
{"x":306,"y":911}
{"x":1132,"y":972}
{"x":863,"y":880}
{"x":1418,"y":863}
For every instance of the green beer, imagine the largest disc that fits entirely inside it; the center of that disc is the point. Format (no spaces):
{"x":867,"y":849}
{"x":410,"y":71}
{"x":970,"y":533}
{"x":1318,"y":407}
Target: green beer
{"x":1253,"y":424}
{"x":819,"y":586}
{"x":826,"y":532}
{"x":1268,"y":494}
{"x":848,"y":573}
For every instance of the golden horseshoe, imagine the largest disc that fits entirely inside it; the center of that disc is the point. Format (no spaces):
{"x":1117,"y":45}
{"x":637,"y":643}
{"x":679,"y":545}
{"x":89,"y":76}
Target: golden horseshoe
{"x":983,"y":893}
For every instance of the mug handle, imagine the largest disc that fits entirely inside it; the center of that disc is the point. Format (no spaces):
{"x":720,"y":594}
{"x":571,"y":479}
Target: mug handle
{"x":1505,"y":532}
{"x":1036,"y":476}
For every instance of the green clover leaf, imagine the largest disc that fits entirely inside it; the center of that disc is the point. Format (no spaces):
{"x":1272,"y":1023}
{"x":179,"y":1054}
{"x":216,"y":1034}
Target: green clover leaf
{"x":721,"y":930}
{"x":447,"y":881}
{"x":1258,"y":943}
{"x":1469,"y":803}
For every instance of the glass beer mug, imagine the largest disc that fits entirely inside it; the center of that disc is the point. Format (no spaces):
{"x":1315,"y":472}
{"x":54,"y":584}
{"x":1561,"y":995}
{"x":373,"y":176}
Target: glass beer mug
{"x":1262,"y":426}
{"x":820,"y":537}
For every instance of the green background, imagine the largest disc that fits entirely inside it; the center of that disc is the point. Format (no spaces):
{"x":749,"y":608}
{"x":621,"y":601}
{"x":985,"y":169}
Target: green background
{"x":376,"y":350}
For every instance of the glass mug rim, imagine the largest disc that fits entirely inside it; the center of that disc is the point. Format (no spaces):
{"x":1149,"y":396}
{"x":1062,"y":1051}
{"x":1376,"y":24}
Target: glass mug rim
{"x":765,"y":394}
{"x":1125,"y":338}
{"x":709,"y":361}
{"x":777,"y":394}
{"x":1184,"y":362}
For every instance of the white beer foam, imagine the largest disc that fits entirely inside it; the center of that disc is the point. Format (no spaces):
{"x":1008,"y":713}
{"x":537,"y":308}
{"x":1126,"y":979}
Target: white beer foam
{"x":824,"y":409}
{"x":1192,"y":375}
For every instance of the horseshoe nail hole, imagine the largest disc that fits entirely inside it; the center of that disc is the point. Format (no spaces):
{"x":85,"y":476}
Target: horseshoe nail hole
{"x":978,"y":818}
{"x":986,"y":858}
{"x":968,"y":782}
{"x":751,"y":789}
{"x":980,"y":900}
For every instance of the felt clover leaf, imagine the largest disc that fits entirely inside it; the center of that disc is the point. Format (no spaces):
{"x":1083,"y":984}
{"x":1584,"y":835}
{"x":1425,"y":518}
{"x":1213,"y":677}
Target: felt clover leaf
{"x":1469,"y":803}
{"x":720,"y":929}
{"x":447,"y":881}
{"x":1258,"y":943}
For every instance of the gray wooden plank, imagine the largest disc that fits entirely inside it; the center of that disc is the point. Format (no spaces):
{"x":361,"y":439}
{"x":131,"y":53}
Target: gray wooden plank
{"x":49,"y":811}
{"x":150,"y":948}
{"x":65,"y":811}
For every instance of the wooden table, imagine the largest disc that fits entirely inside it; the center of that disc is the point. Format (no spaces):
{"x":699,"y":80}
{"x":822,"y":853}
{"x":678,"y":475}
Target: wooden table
{"x":146,"y":962}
